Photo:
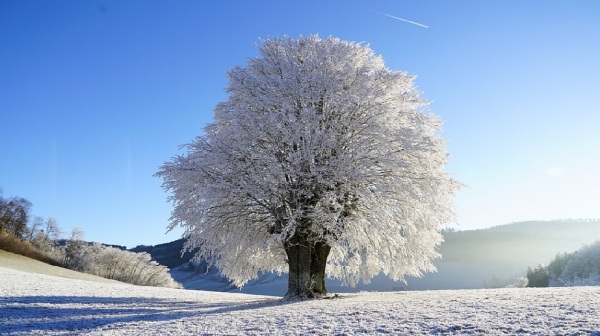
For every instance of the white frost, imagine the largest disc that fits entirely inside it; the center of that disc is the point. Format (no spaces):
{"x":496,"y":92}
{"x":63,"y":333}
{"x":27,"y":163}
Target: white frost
{"x":316,"y":137}
{"x":35,"y":304}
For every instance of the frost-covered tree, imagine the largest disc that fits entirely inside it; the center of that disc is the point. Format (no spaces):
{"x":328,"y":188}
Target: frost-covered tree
{"x":538,"y":277}
{"x":73,"y":256}
{"x":320,"y":161}
{"x":581,"y":267}
{"x":520,"y":282}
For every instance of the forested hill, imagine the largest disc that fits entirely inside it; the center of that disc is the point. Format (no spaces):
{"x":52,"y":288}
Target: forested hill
{"x":168,"y":254}
{"x":523,"y":243}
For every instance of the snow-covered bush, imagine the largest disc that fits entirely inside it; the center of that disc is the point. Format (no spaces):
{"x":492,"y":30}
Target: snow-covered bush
{"x":127,"y":266}
{"x":592,"y":280}
{"x":520,"y":282}
{"x":113,"y":263}
{"x":538,"y":277}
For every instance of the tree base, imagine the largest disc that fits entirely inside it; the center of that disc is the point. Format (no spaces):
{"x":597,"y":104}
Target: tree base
{"x":310,"y":296}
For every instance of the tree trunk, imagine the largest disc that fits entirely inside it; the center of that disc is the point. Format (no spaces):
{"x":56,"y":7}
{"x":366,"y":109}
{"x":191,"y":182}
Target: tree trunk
{"x":306,"y":264}
{"x":320,"y":252}
{"x":298,"y":251}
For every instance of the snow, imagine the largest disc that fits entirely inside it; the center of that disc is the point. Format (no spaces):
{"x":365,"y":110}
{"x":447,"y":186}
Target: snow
{"x":41,"y":304}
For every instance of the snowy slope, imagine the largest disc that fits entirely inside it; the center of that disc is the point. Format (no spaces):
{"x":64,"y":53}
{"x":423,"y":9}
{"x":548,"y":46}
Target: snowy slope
{"x":21,"y":263}
{"x":39,"y":304}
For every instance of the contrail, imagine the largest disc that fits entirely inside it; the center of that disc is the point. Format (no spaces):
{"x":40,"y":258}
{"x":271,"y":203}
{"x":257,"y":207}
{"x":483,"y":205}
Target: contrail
{"x":403,"y":20}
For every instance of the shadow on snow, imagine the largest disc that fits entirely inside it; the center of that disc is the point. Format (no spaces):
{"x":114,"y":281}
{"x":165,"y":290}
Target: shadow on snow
{"x":24,"y":314}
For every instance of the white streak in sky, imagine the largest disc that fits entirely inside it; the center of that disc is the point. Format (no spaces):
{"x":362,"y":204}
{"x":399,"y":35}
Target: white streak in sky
{"x":53,"y":169}
{"x":129,"y":164}
{"x":403,"y":20}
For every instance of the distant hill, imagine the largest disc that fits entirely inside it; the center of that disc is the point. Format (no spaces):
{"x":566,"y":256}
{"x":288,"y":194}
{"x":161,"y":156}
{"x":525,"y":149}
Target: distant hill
{"x":496,"y":256}
{"x":168,"y":254}
{"x":492,"y":257}
{"x":63,"y":242}
{"x":523,"y":243}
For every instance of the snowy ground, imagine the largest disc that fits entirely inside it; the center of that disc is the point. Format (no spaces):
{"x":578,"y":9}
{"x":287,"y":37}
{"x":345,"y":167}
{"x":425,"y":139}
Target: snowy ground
{"x":41,"y":304}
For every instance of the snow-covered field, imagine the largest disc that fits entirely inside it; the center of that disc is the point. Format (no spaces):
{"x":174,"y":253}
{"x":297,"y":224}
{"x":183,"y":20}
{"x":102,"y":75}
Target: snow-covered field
{"x":41,"y":304}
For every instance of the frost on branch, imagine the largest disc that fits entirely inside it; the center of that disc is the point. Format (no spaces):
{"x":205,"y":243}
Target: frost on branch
{"x":319,"y":156}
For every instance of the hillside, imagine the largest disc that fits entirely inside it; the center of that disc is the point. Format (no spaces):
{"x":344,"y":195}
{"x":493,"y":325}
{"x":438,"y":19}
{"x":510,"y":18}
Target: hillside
{"x":20,"y":263}
{"x":496,"y":256}
{"x":524,"y":243}
{"x":168,"y":254}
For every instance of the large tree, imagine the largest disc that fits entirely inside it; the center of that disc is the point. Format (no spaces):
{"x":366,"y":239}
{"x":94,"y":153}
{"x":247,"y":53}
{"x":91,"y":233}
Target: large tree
{"x":321,"y":161}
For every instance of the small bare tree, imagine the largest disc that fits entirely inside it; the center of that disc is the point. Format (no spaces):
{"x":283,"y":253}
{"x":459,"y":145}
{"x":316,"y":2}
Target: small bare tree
{"x":52,"y":231}
{"x":34,"y":228}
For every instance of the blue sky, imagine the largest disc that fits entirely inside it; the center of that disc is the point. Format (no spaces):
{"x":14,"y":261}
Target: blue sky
{"x":96,"y":95}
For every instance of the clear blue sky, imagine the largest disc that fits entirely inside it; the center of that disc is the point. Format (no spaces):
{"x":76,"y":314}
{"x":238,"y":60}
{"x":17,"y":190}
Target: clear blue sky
{"x":96,"y":95}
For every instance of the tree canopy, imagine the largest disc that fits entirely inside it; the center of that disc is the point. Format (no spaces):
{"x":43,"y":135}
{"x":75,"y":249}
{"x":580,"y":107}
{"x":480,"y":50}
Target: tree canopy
{"x":320,"y":160}
{"x":14,"y":215}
